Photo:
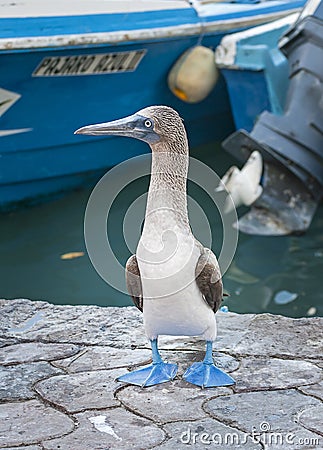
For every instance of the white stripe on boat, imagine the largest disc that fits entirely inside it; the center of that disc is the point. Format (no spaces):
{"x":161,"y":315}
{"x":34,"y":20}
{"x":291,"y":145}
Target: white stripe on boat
{"x":68,"y":40}
{"x":41,"y":8}
{"x":10,"y":132}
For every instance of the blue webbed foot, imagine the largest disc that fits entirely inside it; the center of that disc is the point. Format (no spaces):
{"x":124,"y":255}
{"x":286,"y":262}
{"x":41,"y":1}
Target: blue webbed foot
{"x":158,"y":372}
{"x":207,"y":375}
{"x":149,"y":376}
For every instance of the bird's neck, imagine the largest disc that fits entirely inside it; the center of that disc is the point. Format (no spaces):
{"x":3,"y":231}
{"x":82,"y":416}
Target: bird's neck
{"x":167,"y":189}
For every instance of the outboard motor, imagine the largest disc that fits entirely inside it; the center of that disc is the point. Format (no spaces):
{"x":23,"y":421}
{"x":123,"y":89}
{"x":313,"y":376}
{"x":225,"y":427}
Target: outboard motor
{"x":292,"y":144}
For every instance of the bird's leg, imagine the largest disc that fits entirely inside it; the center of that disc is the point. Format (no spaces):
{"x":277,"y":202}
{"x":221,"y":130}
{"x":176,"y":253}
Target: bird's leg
{"x":157,"y":359}
{"x":156,"y":373}
{"x":205,"y":374}
{"x":208,"y":358}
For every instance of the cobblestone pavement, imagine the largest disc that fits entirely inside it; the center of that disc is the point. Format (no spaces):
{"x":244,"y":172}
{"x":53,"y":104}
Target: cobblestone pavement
{"x":58,"y":366}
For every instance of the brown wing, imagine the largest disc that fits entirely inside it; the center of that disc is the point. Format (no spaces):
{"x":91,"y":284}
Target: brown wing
{"x":208,"y":279}
{"x":133,"y":282}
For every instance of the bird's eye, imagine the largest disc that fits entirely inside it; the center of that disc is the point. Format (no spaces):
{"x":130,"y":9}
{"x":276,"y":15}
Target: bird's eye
{"x":148,"y":123}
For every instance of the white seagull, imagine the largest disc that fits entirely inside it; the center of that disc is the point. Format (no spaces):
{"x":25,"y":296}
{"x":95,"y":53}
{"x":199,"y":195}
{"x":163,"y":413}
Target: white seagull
{"x":243,"y":185}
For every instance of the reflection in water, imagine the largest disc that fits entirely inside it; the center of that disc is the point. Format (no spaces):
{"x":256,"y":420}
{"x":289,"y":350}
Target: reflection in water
{"x":41,"y":255}
{"x":282,"y":274}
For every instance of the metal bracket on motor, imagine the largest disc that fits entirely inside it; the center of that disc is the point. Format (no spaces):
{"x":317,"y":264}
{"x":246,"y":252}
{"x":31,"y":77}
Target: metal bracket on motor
{"x":292,"y":144}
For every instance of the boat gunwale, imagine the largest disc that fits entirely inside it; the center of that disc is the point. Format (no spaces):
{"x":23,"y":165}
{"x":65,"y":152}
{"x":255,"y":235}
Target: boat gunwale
{"x":137,"y":35}
{"x":227,"y":50}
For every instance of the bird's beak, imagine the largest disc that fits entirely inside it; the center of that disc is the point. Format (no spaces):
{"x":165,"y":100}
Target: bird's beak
{"x":121,"y":127}
{"x":131,"y":126}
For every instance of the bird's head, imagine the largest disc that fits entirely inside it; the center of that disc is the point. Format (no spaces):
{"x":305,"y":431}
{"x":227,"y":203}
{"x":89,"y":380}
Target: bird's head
{"x":153,"y":125}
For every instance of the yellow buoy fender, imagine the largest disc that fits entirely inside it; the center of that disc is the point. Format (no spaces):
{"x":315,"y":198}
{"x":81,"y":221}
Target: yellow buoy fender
{"x":194,"y":74}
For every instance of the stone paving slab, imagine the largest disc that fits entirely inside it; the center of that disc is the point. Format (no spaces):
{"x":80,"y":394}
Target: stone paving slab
{"x":29,"y":422}
{"x":99,"y":357}
{"x":35,"y":351}
{"x":169,"y":401}
{"x":58,"y":369}
{"x":109,"y":429}
{"x":301,"y":338}
{"x":16,"y":381}
{"x":256,"y":374}
{"x":232,"y":328}
{"x":81,"y":391}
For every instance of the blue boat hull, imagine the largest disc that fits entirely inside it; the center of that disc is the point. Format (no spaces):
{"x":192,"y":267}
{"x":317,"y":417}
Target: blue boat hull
{"x":49,"y":158}
{"x":40,"y":155}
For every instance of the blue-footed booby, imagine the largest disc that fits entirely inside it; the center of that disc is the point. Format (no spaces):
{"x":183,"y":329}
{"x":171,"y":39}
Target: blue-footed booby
{"x":172,"y":278}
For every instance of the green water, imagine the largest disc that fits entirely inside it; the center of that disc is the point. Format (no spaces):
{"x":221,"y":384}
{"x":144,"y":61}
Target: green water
{"x":33,"y":241}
